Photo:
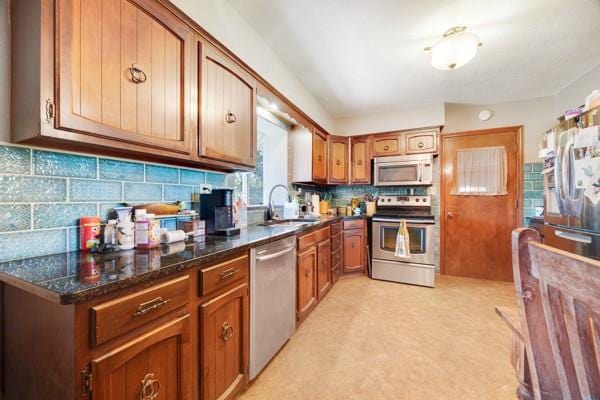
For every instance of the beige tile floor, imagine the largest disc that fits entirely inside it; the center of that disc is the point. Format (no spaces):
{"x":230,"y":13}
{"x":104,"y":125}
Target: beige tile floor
{"x":377,"y":340}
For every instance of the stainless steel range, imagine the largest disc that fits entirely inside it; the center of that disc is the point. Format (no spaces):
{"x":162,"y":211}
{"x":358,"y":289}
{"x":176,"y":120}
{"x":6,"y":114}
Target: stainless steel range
{"x":419,"y":268}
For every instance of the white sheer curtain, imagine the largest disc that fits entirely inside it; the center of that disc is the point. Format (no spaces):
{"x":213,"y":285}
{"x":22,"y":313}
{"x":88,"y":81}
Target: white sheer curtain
{"x":480,"y":172}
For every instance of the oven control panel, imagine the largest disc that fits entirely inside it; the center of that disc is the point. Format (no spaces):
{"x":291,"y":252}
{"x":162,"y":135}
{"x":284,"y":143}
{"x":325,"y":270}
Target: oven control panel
{"x":404,"y":201}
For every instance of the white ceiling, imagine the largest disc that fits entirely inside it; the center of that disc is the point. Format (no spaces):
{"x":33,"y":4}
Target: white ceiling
{"x":361,"y":56}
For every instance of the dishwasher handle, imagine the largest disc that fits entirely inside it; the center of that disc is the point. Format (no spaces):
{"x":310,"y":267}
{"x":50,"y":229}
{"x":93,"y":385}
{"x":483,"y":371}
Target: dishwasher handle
{"x":275,"y":255}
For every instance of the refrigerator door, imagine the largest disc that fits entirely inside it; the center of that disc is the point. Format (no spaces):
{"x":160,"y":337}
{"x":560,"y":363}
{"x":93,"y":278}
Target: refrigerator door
{"x":578,"y":242}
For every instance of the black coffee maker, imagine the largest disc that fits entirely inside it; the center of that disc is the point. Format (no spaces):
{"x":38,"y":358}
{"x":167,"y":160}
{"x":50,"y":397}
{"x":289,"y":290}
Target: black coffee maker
{"x":216,"y":208}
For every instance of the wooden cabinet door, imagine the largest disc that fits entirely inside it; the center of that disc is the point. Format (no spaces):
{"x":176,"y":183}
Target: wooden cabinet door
{"x":229,"y":114}
{"x":306,"y":291}
{"x":124,"y":73}
{"x":319,"y":157}
{"x":155,"y":363}
{"x":354,"y":250}
{"x":338,"y":159}
{"x":324,"y":268}
{"x":387,"y":145}
{"x":360,"y":160}
{"x":421,"y":142}
{"x":224,"y":344}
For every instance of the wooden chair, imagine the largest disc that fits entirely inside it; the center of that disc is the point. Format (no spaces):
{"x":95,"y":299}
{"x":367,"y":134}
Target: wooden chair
{"x":559,"y":306}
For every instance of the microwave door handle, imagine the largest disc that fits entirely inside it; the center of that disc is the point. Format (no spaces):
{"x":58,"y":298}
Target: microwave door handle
{"x":420,"y":172}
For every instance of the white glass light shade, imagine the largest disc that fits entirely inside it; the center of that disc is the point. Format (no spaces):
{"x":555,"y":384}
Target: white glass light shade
{"x":454,"y":50}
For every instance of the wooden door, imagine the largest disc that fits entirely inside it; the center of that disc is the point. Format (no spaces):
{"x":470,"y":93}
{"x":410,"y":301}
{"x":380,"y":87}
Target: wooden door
{"x":338,"y":159}
{"x":224,"y":344}
{"x":324,"y":268}
{"x":157,"y":362}
{"x":306,"y":291}
{"x":319,"y":156}
{"x":421,"y":142}
{"x":229,"y":112}
{"x":354,"y":252}
{"x":476,"y":230}
{"x":124,"y":73}
{"x":387,"y":144}
{"x":360,"y":160}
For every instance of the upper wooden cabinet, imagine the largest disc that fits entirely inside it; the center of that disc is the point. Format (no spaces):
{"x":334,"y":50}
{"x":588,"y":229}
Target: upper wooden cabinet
{"x":338,"y":159}
{"x":228,"y":131}
{"x":109,"y":73}
{"x":389,"y":144}
{"x":421,"y":141}
{"x":319,"y":156}
{"x":360,"y":160}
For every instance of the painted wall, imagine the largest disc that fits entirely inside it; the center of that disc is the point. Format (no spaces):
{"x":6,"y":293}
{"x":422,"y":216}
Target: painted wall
{"x":406,"y":118}
{"x":574,"y":94}
{"x":536,"y":115}
{"x":4,"y":73}
{"x":225,"y":24}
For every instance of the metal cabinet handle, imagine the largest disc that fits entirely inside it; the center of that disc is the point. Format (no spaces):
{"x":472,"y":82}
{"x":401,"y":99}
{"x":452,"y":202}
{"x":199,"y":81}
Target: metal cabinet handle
{"x":230,"y":117}
{"x":228,"y":273}
{"x":226,"y":331}
{"x":359,"y":162}
{"x":137,"y":74}
{"x":420,"y":145}
{"x":144,"y":308}
{"x":574,"y":237}
{"x":150,"y":388}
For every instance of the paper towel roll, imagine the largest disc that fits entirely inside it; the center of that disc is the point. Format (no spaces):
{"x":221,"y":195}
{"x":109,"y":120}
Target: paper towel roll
{"x":314,"y":200}
{"x":172,"y":236}
{"x":172,"y":248}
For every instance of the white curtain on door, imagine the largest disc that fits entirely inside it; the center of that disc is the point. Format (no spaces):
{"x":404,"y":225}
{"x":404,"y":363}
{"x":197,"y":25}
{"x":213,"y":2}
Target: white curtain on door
{"x":480,"y":172}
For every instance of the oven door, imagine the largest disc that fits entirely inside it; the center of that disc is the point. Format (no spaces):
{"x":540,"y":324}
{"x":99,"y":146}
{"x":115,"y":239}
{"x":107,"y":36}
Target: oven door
{"x":398,"y":173}
{"x":421,"y":240}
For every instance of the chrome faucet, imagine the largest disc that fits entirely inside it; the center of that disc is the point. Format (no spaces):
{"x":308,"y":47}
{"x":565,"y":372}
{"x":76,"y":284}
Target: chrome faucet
{"x":271,"y":207}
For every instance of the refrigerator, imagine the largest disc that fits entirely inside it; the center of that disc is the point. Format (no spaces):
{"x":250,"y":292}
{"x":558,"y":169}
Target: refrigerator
{"x":572,"y":186}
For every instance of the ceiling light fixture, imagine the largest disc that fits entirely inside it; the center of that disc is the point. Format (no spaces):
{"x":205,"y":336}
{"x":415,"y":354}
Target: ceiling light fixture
{"x":456,"y":48}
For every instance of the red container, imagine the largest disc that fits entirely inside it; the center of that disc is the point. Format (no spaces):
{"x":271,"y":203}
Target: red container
{"x":89,"y":232}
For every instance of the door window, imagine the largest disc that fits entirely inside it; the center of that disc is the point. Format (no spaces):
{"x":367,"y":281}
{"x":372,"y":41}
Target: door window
{"x":480,"y":171}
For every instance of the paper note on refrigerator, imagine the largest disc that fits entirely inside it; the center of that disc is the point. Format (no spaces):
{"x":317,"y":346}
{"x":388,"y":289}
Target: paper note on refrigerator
{"x":587,"y":137}
{"x":587,"y":177}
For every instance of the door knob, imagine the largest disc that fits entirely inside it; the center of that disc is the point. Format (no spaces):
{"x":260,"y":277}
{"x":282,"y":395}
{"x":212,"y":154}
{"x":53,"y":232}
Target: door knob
{"x":450,"y":215}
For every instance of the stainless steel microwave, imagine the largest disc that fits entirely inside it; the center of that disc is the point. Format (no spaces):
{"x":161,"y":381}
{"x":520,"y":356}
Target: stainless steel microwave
{"x":410,"y":170}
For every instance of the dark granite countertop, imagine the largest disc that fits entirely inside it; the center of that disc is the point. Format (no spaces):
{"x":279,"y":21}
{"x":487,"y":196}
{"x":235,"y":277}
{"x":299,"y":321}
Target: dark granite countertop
{"x":76,"y":277}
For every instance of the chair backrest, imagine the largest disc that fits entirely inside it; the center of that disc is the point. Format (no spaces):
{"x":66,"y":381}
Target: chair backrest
{"x":559,"y":299}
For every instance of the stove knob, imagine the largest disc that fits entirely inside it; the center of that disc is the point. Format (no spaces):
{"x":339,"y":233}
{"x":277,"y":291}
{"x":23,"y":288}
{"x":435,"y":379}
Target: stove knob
{"x":424,"y":200}
{"x":417,"y":199}
{"x":389,"y":200}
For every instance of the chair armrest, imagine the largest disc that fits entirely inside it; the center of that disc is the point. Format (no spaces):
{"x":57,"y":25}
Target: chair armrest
{"x":511,"y":317}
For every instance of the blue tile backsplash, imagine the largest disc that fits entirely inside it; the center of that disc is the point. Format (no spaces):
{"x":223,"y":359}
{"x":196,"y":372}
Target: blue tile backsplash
{"x":44,"y":192}
{"x":533,"y":189}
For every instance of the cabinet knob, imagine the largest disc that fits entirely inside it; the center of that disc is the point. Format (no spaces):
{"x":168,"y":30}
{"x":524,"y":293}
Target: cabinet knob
{"x":150,"y":388}
{"x":359,"y":162}
{"x":307,"y":272}
{"x":420,"y":145}
{"x":319,"y":158}
{"x":137,"y":74}
{"x":386,"y":147}
{"x":230,"y":117}
{"x":338,"y":162}
{"x":226,"y":331}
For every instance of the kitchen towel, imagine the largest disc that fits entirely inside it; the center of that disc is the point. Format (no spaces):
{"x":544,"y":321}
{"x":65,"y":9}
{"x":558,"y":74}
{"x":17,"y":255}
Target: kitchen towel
{"x":402,"y":241}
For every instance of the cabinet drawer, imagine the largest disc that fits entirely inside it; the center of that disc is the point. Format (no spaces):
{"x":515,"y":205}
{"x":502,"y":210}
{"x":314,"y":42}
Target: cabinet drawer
{"x":336,"y":241}
{"x":336,"y":257}
{"x":335,"y":228}
{"x":354,"y":224}
{"x":313,"y":238}
{"x":116,"y":317}
{"x":223,"y":274}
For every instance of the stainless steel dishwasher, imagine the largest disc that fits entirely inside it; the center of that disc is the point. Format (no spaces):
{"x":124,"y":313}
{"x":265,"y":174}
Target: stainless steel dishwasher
{"x":272,"y":300}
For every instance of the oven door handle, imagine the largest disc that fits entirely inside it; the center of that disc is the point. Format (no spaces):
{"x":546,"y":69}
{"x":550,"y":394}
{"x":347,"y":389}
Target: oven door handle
{"x":408,"y":221}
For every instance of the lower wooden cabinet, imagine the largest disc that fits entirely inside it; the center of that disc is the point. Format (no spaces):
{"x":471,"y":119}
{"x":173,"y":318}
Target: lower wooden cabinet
{"x":354,"y":250}
{"x":306,"y":282}
{"x":224,"y":344}
{"x":324,"y":268}
{"x":153,"y":364}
